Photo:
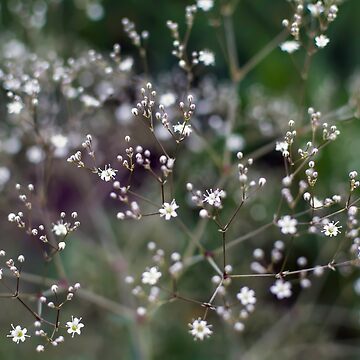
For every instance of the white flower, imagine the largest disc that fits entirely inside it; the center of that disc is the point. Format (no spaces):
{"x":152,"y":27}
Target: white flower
{"x":290,"y":46}
{"x":1,"y":273}
{"x":183,"y":129}
{"x":141,"y":311}
{"x":151,"y":276}
{"x":316,"y":9}
{"x":246,"y":296}
{"x":315,"y":202}
{"x":207,"y":57}
{"x":169,"y":210}
{"x":32,"y":87}
{"x":60,"y":228}
{"x":239,"y":326}
{"x":74,"y":326}
{"x":59,"y":140}
{"x":167,"y":99}
{"x":90,"y":101}
{"x":40,"y":348}
{"x":126,"y":64}
{"x":15,"y":107}
{"x":35,"y":154}
{"x":107,"y":174}
{"x":205,"y":5}
{"x":287,"y":224}
{"x":282,"y":289}
{"x":331,"y":229}
{"x":282,"y":146}
{"x":176,"y":268}
{"x":18,"y":334}
{"x":321,"y":41}
{"x":213,"y":198}
{"x":200,"y":329}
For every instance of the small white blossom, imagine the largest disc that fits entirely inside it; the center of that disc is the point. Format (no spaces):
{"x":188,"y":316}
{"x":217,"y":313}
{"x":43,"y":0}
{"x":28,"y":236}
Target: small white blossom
{"x":213,"y":198}
{"x":205,"y":5}
{"x":239,"y":326}
{"x":74,"y":326}
{"x":290,"y":46}
{"x":316,"y":9}
{"x":167,"y":99}
{"x":282,"y":146}
{"x":200,"y":329}
{"x":141,"y":311}
{"x":331,"y":229}
{"x":321,"y":41}
{"x":40,"y":348}
{"x":59,"y":142}
{"x":281,"y":289}
{"x":126,"y":64}
{"x":90,"y":101}
{"x":15,"y":107}
{"x":60,"y":228}
{"x":169,"y":210}
{"x":207,"y":57}
{"x":151,"y":276}
{"x":107,"y":174}
{"x":287,"y":224}
{"x":183,"y":129}
{"x":246,"y":296}
{"x":35,"y":154}
{"x":18,"y":334}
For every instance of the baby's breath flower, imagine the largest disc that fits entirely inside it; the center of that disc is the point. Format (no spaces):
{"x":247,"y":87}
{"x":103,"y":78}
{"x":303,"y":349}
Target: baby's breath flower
{"x":90,"y":101}
{"x":321,"y":41}
{"x":200,"y":329}
{"x":207,"y":57}
{"x":213,"y":198}
{"x":18,"y":334}
{"x":282,"y":146}
{"x":281,"y":289}
{"x":107,"y":174}
{"x":167,"y":99}
{"x":287,"y":224}
{"x":290,"y":46}
{"x":141,"y":311}
{"x":168,"y":210}
{"x":205,"y":5}
{"x":246,"y":296}
{"x":151,"y":276}
{"x":316,"y":9}
{"x":239,"y":326}
{"x":183,"y":129}
{"x":15,"y":107}
{"x":331,"y":229}
{"x":74,"y":326}
{"x":60,"y":228}
{"x":40,"y":348}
